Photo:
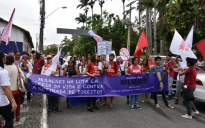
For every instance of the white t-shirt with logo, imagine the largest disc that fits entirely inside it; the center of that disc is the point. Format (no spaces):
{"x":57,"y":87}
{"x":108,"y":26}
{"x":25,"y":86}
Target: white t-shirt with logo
{"x":122,"y":66}
{"x":181,"y":77}
{"x":4,"y":81}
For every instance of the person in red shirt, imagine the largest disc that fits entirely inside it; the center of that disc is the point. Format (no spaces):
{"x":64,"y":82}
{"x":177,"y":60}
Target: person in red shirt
{"x":190,"y":77}
{"x":150,"y":62}
{"x":38,"y":64}
{"x":111,"y":70}
{"x":92,"y":70}
{"x":169,"y":67}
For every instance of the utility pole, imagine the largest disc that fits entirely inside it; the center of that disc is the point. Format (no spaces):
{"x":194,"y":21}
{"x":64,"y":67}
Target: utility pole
{"x":42,"y":14}
{"x":37,"y":41}
{"x":129,"y":23}
{"x":129,"y":30}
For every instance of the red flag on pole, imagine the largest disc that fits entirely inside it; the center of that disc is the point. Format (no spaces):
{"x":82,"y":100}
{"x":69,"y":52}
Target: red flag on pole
{"x":201,"y":46}
{"x":7,"y":31}
{"x":141,"y":44}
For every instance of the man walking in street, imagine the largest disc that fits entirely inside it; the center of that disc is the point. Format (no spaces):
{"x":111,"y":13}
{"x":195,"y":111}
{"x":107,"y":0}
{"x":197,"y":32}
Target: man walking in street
{"x":169,"y":67}
{"x":154,"y":69}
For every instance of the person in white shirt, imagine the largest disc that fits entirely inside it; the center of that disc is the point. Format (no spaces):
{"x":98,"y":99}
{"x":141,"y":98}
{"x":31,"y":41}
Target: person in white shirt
{"x":180,"y":81}
{"x":83,"y":68}
{"x":6,"y":108}
{"x":13,"y":71}
{"x":200,"y":63}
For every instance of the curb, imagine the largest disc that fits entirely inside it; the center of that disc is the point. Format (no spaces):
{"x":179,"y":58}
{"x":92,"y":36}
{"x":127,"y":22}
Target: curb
{"x":44,"y":117}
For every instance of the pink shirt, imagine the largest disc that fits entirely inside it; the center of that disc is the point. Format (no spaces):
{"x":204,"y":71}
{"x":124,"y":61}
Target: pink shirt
{"x":135,"y":70}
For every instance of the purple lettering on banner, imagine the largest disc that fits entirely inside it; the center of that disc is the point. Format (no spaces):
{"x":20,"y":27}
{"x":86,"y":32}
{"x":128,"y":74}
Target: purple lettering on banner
{"x":96,"y":86}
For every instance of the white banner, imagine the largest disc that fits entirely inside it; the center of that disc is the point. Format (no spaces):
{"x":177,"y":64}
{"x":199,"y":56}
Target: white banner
{"x":189,"y":41}
{"x":180,"y":47}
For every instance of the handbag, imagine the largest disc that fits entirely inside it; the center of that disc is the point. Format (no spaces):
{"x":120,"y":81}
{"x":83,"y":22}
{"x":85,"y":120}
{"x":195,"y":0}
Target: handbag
{"x":20,"y":82}
{"x":188,"y":93}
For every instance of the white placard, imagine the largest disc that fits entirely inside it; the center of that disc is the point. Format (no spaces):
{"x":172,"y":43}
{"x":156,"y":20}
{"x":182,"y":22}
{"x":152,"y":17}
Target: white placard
{"x":100,"y":65}
{"x":104,"y":47}
{"x":124,"y":54}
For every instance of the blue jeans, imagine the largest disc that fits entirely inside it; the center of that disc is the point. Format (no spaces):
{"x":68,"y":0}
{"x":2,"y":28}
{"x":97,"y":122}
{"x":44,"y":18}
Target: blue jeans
{"x":171,"y":79}
{"x":134,"y":98}
{"x":163,"y":97}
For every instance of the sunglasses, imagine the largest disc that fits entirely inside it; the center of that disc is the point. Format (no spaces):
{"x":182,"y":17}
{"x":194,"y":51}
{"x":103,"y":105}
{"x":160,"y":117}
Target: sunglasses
{"x":48,"y":58}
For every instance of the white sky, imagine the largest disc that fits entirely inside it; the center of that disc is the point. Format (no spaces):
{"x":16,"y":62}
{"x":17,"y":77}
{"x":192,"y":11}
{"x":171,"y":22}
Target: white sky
{"x":27,"y":15}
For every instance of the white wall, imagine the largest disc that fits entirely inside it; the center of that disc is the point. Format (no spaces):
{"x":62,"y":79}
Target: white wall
{"x":18,"y":36}
{"x":16,"y":33}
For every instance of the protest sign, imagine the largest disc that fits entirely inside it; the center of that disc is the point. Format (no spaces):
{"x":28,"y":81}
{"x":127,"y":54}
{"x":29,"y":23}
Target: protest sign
{"x":95,"y":86}
{"x":124,"y":54}
{"x":104,"y":47}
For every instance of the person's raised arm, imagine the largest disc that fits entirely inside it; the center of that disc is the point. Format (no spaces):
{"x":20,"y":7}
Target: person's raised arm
{"x":182,"y":73}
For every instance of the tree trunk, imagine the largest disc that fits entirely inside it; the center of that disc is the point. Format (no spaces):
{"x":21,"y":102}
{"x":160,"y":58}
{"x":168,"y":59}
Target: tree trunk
{"x":155,"y":30}
{"x":150,"y":30}
{"x":139,"y":17}
{"x":101,"y":12}
{"x":123,"y":10}
{"x":147,"y":27}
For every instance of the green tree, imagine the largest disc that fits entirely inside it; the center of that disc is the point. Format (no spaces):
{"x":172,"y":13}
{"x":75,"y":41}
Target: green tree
{"x":81,"y":19}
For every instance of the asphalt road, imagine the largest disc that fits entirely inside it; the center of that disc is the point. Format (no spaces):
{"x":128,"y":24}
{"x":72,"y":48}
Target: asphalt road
{"x":120,"y":116}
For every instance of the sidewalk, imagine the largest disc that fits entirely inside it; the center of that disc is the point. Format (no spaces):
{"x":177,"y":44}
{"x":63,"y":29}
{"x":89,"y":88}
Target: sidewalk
{"x":30,"y":113}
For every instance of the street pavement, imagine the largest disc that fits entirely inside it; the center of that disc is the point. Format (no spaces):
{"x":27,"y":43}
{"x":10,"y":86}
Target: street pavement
{"x":121,"y":116}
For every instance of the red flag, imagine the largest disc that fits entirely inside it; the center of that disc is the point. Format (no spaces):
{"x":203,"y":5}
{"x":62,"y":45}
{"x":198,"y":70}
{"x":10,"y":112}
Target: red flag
{"x":201,"y":46}
{"x":141,"y":44}
{"x":7,"y":31}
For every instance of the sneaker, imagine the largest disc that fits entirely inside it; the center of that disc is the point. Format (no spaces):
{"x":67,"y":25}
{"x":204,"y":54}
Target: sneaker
{"x":90,"y":110}
{"x":96,"y":108}
{"x":186,"y":116}
{"x":138,"y":107}
{"x":132,"y":108}
{"x":169,"y":106}
{"x":195,"y":113}
{"x":176,"y":101}
{"x":157,"y":105}
{"x":128,"y":102}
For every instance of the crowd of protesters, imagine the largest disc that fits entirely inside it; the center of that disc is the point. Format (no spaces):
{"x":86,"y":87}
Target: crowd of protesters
{"x":13,"y":65}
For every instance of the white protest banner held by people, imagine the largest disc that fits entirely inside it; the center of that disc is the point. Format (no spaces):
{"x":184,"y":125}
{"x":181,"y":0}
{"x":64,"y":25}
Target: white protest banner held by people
{"x":54,"y":64}
{"x":180,"y":47}
{"x":189,"y":41}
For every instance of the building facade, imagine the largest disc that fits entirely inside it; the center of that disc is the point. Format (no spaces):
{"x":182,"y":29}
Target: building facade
{"x":20,"y":39}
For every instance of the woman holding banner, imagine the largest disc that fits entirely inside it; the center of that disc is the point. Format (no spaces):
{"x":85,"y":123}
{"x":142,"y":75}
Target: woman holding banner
{"x":70,"y":72}
{"x":52,"y":100}
{"x":129,"y":63}
{"x":132,"y":70}
{"x":92,"y":70}
{"x":146,"y":70}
